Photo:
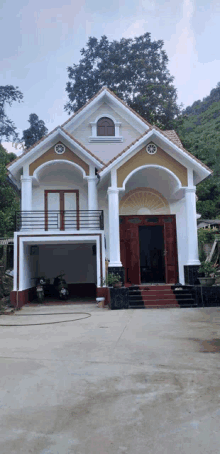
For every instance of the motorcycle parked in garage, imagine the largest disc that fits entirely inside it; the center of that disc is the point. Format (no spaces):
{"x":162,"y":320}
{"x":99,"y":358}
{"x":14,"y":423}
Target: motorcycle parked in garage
{"x":61,"y":287}
{"x":40,"y":288}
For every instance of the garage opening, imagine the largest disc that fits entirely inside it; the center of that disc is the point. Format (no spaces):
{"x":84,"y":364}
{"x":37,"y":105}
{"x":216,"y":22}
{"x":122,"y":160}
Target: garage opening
{"x":76,"y":261}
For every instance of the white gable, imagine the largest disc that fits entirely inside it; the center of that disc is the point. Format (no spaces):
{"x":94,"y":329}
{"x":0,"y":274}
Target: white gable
{"x":131,"y":126}
{"x":105,"y":150}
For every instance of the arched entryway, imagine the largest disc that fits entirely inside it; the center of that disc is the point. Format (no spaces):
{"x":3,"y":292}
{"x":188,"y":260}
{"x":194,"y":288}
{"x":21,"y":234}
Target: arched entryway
{"x":147,"y":238}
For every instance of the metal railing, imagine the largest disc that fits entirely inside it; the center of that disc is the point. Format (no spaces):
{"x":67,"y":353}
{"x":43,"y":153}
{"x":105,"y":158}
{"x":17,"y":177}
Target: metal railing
{"x":59,"y":220}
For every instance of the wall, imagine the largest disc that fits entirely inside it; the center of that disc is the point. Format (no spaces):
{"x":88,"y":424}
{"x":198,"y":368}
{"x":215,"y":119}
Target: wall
{"x":161,"y":158}
{"x":75,"y":260}
{"x":60,"y":179}
{"x":105,"y":151}
{"x":51,"y":155}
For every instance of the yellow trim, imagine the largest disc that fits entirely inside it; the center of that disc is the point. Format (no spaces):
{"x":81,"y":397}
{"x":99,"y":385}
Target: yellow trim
{"x":51,"y":155}
{"x":143,"y":158}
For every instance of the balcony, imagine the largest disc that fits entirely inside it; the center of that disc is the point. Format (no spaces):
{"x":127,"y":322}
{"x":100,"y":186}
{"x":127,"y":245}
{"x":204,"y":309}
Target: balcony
{"x":59,"y":220}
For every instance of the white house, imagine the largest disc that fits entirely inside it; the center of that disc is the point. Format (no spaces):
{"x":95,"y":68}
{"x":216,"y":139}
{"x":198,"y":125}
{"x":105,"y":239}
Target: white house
{"x":106,"y":185}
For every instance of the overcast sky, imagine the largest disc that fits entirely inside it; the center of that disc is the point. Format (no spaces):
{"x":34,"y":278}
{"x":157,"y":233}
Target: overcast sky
{"x":41,"y":38}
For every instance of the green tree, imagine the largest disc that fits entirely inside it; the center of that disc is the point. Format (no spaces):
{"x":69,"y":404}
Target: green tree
{"x":36,"y":131}
{"x":9,"y":199}
{"x":134,"y":69}
{"x":8,"y":94}
{"x":199,"y":130}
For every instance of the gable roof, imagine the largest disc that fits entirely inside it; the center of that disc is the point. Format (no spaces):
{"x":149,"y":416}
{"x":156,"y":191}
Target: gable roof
{"x":103,"y":89}
{"x":171,"y":135}
{"x":45,"y":137}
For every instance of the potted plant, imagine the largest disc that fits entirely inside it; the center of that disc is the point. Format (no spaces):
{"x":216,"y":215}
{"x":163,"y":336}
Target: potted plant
{"x":114,"y":280}
{"x":209,"y":270}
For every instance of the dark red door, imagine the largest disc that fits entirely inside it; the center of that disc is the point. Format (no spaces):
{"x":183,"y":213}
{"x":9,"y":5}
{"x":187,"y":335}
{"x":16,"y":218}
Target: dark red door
{"x":130,"y":246}
{"x":171,"y":263}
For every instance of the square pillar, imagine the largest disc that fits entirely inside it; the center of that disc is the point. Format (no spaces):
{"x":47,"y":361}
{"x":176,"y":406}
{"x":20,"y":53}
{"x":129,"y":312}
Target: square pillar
{"x":114,"y":237}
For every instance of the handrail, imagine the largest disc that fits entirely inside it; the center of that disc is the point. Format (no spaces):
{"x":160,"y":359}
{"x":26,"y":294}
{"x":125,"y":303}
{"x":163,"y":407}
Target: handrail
{"x":59,"y":219}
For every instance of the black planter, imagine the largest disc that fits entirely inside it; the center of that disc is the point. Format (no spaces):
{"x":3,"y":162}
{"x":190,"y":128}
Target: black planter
{"x":119,"y":298}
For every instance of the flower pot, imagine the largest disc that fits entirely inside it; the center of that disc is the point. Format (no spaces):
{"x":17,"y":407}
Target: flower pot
{"x":117,"y":285}
{"x":207,"y":281}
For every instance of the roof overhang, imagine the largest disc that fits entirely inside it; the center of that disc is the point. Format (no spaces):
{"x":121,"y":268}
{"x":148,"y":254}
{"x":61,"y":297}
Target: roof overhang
{"x":200,"y":172}
{"x":57,"y":135}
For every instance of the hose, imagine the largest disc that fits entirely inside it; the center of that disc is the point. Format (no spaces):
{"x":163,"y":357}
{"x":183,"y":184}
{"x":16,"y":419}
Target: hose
{"x":49,"y":323}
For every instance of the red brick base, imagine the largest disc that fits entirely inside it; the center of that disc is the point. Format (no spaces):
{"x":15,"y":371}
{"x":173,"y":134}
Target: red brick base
{"x":18,"y":299}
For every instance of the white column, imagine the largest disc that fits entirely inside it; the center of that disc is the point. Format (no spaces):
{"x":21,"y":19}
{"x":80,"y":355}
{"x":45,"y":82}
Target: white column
{"x":92,"y":193}
{"x":192,"y":238}
{"x":114,"y":238}
{"x":26,"y":193}
{"x":93,"y":202}
{"x":26,"y":201}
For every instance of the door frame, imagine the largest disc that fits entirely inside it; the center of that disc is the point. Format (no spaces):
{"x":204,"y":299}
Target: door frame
{"x":61,"y":192}
{"x":168,"y":222}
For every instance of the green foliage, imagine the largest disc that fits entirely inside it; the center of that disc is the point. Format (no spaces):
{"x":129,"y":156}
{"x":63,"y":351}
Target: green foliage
{"x":112,"y":279}
{"x":9,"y":200}
{"x":134,"y":69}
{"x":207,"y":268}
{"x":205,"y":236}
{"x":8,"y":94}
{"x":36,"y":131}
{"x":199,"y":131}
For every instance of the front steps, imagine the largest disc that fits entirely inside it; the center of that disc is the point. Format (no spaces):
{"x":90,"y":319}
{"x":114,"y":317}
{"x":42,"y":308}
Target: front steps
{"x":184,"y":296}
{"x":159,"y":296}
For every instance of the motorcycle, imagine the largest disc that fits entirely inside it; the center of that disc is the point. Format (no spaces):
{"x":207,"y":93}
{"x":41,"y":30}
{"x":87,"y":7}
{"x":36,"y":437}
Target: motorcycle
{"x":61,"y":287}
{"x":40,"y":288}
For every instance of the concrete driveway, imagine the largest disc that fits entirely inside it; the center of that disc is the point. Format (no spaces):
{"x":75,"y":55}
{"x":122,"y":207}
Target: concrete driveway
{"x":130,"y":381}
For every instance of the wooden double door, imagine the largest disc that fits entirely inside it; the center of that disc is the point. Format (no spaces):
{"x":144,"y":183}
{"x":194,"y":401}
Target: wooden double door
{"x":61,"y":209}
{"x":149,"y":249}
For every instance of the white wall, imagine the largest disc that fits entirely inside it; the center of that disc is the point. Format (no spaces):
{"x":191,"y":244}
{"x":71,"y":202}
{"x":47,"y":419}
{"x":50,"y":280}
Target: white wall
{"x":75,"y":260}
{"x":60,"y":179}
{"x":105,"y":151}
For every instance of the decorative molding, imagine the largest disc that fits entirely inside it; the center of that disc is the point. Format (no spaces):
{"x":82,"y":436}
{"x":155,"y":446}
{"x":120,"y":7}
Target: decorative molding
{"x":106,"y":139}
{"x":143,"y":201}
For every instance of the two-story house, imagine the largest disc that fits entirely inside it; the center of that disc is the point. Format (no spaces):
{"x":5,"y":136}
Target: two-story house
{"x":106,"y":185}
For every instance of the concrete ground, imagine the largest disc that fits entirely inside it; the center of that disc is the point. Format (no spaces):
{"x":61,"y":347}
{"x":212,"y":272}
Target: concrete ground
{"x":129,"y":381}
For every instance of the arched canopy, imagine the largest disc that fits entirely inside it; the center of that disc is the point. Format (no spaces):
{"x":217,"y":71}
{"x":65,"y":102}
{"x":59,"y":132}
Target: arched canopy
{"x":153,"y":176}
{"x":56,"y":166}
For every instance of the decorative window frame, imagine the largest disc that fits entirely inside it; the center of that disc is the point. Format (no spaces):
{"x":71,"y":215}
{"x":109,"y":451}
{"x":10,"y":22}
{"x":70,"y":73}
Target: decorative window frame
{"x":105,"y":139}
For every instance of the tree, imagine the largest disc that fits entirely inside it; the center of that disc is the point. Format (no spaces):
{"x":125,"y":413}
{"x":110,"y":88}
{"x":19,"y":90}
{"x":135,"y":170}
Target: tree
{"x":199,"y":130}
{"x":8,"y":94}
{"x":134,"y":69}
{"x":36,"y":131}
{"x":9,"y":199}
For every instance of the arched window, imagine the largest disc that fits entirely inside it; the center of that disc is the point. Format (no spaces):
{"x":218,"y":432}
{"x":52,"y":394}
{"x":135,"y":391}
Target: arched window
{"x":105,"y":127}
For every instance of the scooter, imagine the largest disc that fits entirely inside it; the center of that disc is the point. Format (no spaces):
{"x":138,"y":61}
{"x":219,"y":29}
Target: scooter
{"x":40,"y":287}
{"x":61,"y":287}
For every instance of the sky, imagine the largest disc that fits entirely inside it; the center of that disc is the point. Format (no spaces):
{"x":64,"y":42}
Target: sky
{"x":42,"y":38}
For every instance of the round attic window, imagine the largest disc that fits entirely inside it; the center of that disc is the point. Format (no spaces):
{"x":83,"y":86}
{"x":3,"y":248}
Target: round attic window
{"x":151,"y":148}
{"x":59,"y":148}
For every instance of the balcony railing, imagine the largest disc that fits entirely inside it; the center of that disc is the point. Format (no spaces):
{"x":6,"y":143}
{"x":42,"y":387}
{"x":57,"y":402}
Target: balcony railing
{"x":60,"y":220}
